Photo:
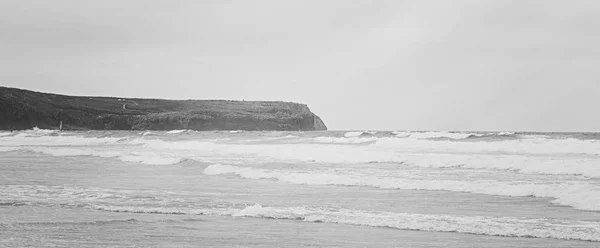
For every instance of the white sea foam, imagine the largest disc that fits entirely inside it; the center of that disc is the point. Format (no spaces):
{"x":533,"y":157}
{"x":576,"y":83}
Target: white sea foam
{"x":265,"y":140}
{"x":40,"y":132}
{"x":534,"y":156}
{"x":147,"y":133}
{"x":67,"y":152}
{"x":136,"y":201}
{"x":401,"y":134}
{"x":444,"y":134}
{"x":495,"y":226}
{"x":275,"y":152}
{"x":8,"y":149}
{"x":341,"y":140}
{"x":420,"y":153}
{"x":523,"y":164}
{"x":376,"y":152}
{"x":178,"y":131}
{"x":521,"y":146}
{"x":506,"y":133}
{"x":136,"y":157}
{"x":579,"y":195}
{"x":77,"y":196}
{"x":387,"y":147}
{"x":432,"y":135}
{"x":62,"y":140}
{"x":353,"y":134}
{"x":481,"y":225}
{"x":149,"y":159}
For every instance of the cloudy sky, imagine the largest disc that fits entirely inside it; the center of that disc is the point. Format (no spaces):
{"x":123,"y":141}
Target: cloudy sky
{"x":393,"y":65}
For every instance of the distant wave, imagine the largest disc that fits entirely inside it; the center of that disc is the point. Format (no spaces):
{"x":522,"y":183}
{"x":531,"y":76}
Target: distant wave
{"x":164,"y":153}
{"x":382,"y":143}
{"x":40,"y":132}
{"x":450,"y":135}
{"x":5,"y":134}
{"x":352,"y":134}
{"x":526,"y":165}
{"x":504,"y":133}
{"x":578,"y":195}
{"x":499,"y":155}
{"x":358,"y":134}
{"x":136,"y":157}
{"x":178,"y":131}
{"x":341,"y":140}
{"x":59,"y":140}
{"x":480,"y":155}
{"x":147,"y":133}
{"x":433,"y":135}
{"x":265,"y":140}
{"x":519,"y":146}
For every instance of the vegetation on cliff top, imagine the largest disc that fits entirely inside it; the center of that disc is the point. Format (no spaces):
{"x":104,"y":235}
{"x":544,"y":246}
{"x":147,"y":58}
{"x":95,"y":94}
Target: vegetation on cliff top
{"x":23,"y":109}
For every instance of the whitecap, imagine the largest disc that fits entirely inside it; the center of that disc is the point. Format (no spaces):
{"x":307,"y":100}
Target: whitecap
{"x":178,"y":131}
{"x":579,"y":195}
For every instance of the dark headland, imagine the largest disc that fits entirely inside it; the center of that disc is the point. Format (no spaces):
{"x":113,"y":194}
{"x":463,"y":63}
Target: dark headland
{"x":24,"y":109}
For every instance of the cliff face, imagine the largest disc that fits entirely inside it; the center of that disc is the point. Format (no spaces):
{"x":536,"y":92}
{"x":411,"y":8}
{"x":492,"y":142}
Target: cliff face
{"x":23,"y":109}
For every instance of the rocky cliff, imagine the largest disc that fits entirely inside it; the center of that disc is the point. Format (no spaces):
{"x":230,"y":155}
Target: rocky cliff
{"x":23,"y":109}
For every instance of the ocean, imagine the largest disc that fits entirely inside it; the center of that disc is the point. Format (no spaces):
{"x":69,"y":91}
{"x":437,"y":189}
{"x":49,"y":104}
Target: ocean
{"x":299,"y":189}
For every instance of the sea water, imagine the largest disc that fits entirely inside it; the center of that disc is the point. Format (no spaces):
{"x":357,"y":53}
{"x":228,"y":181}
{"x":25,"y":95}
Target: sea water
{"x":299,"y":189}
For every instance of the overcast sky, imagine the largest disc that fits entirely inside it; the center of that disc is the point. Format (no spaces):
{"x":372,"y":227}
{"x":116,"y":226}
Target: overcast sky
{"x":387,"y":65}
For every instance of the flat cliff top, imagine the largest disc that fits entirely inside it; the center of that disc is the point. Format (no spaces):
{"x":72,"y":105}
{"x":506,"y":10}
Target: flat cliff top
{"x":30,"y":103}
{"x":56,"y":102}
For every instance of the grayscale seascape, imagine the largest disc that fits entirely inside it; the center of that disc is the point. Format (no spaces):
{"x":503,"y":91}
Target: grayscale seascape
{"x":299,"y":123}
{"x":295,"y":189}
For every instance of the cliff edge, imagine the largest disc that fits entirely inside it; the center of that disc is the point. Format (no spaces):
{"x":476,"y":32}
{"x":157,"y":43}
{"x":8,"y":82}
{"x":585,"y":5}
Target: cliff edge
{"x":24,"y":109}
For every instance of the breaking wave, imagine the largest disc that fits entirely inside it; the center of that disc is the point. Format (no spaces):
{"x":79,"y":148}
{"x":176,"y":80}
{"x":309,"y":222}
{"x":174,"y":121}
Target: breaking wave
{"x":535,"y":145}
{"x":59,"y":140}
{"x":451,"y":135}
{"x":510,"y":227}
{"x":5,"y":134}
{"x":521,"y":146}
{"x":587,"y":167}
{"x":40,"y":132}
{"x":136,"y":157}
{"x":579,"y":195}
{"x":434,"y":135}
{"x":341,"y":140}
{"x":545,"y":155}
{"x":178,"y":131}
{"x":135,"y":201}
{"x":505,"y":133}
{"x":358,"y":134}
{"x":480,"y":225}
{"x":409,"y":153}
